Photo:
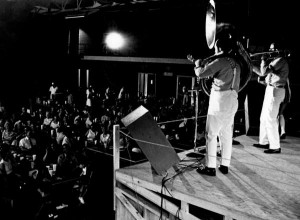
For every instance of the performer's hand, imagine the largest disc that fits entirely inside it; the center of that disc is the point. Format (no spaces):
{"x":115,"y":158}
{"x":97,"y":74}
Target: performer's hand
{"x":198,"y":63}
{"x":256,"y":70}
{"x":264,"y":57}
{"x":191,"y":58}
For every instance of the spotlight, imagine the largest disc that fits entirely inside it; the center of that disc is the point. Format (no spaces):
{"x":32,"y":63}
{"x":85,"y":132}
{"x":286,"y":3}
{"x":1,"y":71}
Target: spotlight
{"x":115,"y":40}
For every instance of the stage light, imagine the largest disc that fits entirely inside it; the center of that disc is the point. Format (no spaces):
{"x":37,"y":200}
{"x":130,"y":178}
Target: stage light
{"x":115,"y":41}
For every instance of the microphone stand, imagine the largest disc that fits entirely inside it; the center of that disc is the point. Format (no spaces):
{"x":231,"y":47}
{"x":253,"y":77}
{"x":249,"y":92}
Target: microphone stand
{"x":195,"y":154}
{"x":196,"y":90}
{"x":196,"y":119}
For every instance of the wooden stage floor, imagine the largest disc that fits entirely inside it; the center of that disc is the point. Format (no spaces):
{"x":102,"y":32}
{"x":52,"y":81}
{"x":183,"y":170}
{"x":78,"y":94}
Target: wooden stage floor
{"x":258,"y":185}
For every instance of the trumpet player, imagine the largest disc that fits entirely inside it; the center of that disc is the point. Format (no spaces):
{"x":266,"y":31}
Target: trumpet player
{"x":275,"y":71}
{"x":223,"y":104}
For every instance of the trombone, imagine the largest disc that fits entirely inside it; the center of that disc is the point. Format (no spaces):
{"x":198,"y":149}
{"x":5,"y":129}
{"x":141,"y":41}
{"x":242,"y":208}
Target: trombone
{"x":272,"y":54}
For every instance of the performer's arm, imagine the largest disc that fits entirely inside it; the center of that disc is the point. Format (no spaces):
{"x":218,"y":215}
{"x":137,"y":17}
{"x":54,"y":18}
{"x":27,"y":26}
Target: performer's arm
{"x":256,"y":70}
{"x":204,"y":71}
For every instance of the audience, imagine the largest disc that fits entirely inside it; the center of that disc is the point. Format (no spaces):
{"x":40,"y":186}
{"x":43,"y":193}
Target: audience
{"x":48,"y":143}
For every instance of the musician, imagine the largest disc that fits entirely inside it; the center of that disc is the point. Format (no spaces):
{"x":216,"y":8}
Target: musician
{"x":223,"y":103}
{"x":276,"y":71}
{"x":283,"y":105}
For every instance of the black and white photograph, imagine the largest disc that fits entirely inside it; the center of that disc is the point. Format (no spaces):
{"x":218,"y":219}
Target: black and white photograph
{"x":149,"y":109}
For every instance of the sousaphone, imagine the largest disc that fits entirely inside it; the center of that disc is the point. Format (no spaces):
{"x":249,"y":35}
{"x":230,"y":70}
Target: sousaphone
{"x":239,"y":53}
{"x":210,"y":24}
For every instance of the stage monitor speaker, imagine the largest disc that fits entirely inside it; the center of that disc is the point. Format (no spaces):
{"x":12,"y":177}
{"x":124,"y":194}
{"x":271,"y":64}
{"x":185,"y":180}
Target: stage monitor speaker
{"x":152,"y":141}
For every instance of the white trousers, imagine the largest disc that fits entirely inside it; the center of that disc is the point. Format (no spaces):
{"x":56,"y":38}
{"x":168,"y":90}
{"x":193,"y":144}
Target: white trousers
{"x":220,"y":118}
{"x":268,"y":129}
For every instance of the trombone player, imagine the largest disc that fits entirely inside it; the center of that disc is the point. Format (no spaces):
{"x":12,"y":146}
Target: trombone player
{"x":274,"y":70}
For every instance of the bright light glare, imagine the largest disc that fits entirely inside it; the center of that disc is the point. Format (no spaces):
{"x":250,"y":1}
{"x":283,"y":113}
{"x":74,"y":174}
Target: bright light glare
{"x":114,"y":41}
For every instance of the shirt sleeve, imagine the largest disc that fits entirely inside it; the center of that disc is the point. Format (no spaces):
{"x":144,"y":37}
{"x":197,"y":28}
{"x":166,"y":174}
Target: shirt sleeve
{"x":277,"y":64}
{"x":273,"y":67}
{"x":209,"y":69}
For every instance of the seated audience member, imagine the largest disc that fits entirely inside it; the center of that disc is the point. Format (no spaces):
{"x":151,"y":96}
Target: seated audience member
{"x":8,"y":177}
{"x":9,"y":136}
{"x":105,"y":138}
{"x":124,"y":142}
{"x":62,"y":137}
{"x":106,"y":121}
{"x":89,"y":120}
{"x":67,"y":163}
{"x":53,"y":126}
{"x":78,"y":127}
{"x":38,"y":117}
{"x":18,"y":127}
{"x":52,"y":153}
{"x":65,"y":122}
{"x":123,"y":95}
{"x":24,"y":116}
{"x":92,"y":134}
{"x":47,"y":120}
{"x":54,"y":123}
{"x":28,"y":143}
{"x":6,"y":162}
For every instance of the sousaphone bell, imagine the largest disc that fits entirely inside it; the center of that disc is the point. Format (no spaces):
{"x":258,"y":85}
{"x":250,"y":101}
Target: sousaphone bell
{"x":239,"y":52}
